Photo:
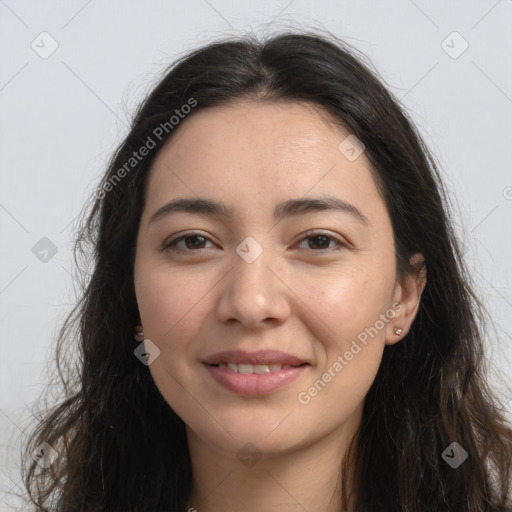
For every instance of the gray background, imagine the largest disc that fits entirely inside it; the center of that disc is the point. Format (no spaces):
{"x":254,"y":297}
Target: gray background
{"x":63,"y":115}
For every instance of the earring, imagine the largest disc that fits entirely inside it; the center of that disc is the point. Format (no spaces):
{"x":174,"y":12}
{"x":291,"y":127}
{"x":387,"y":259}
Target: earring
{"x":399,"y":331}
{"x":139,"y":333}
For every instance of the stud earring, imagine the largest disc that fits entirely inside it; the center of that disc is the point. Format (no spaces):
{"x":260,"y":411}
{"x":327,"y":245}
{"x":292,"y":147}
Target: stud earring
{"x":139,"y":333}
{"x":399,"y":331}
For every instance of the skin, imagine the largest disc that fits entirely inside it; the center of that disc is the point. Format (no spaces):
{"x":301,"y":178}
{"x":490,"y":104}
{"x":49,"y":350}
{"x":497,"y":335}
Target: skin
{"x":299,"y":296}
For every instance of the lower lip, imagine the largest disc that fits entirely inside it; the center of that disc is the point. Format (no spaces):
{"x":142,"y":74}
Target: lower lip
{"x":254,"y":384}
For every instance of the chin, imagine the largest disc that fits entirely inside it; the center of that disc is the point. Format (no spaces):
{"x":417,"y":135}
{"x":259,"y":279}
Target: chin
{"x":237,"y":436}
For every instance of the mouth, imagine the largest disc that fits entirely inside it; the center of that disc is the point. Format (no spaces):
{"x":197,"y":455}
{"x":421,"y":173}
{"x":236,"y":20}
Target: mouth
{"x":254,"y":373}
{"x":259,"y":369}
{"x":263,"y":359}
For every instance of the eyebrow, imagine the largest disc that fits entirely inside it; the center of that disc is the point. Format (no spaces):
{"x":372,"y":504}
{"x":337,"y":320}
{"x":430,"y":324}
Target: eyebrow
{"x":289,"y":208}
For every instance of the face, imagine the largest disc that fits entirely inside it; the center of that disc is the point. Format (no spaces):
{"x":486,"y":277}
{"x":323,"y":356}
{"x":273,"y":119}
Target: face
{"x":270,"y":313}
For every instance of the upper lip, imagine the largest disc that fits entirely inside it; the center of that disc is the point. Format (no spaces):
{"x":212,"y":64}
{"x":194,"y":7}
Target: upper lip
{"x":260,"y":357}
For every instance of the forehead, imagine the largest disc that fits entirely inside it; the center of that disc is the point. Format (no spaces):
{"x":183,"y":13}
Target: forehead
{"x":255,"y":153}
{"x":278,"y":129}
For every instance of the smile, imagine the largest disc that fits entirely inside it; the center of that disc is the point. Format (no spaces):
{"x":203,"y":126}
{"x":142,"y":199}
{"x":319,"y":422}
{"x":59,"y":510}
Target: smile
{"x":253,"y":368}
{"x":254,"y":373}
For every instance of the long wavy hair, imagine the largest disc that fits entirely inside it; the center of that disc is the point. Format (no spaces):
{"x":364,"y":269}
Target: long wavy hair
{"x":122,"y":448}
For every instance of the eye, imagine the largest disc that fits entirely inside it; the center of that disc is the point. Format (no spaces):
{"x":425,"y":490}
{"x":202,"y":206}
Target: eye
{"x":322,"y":239}
{"x":197,"y":241}
{"x":317,"y":241}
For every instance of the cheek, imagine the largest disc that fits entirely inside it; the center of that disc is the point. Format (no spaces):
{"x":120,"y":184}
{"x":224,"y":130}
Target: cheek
{"x":349,"y":355}
{"x":348,"y":301}
{"x":168,"y":301}
{"x":171,"y":308}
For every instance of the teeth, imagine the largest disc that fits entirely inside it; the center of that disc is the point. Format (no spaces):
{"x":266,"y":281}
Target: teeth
{"x":262,"y":368}
{"x":253,"y":368}
{"x":245,"y":368}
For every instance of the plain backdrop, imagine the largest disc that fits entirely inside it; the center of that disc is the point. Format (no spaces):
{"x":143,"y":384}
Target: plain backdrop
{"x":72,"y":72}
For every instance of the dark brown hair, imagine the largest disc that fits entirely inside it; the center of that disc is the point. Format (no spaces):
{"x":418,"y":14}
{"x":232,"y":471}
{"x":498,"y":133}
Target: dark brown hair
{"x":122,"y":448}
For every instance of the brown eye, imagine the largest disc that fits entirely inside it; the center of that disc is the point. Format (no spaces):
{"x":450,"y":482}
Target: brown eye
{"x":319,"y":242}
{"x":191,"y":242}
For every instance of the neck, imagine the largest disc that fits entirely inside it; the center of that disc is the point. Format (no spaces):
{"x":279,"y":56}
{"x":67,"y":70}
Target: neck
{"x":308,"y":478}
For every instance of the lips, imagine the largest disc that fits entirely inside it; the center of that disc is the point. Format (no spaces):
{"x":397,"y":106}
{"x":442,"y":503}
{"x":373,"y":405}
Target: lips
{"x":254,"y":368}
{"x":262,"y":357}
{"x":254,"y":374}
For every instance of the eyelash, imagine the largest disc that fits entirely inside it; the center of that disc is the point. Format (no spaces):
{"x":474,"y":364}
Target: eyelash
{"x":172,"y":243}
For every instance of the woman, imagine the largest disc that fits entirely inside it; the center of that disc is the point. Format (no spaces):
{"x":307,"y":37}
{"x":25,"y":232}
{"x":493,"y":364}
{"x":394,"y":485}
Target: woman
{"x":278,"y":317}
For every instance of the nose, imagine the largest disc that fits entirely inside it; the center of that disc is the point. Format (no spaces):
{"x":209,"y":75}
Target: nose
{"x":253,"y":294}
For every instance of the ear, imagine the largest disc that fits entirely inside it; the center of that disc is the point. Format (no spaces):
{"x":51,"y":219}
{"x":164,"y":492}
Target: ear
{"x":407,"y":296}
